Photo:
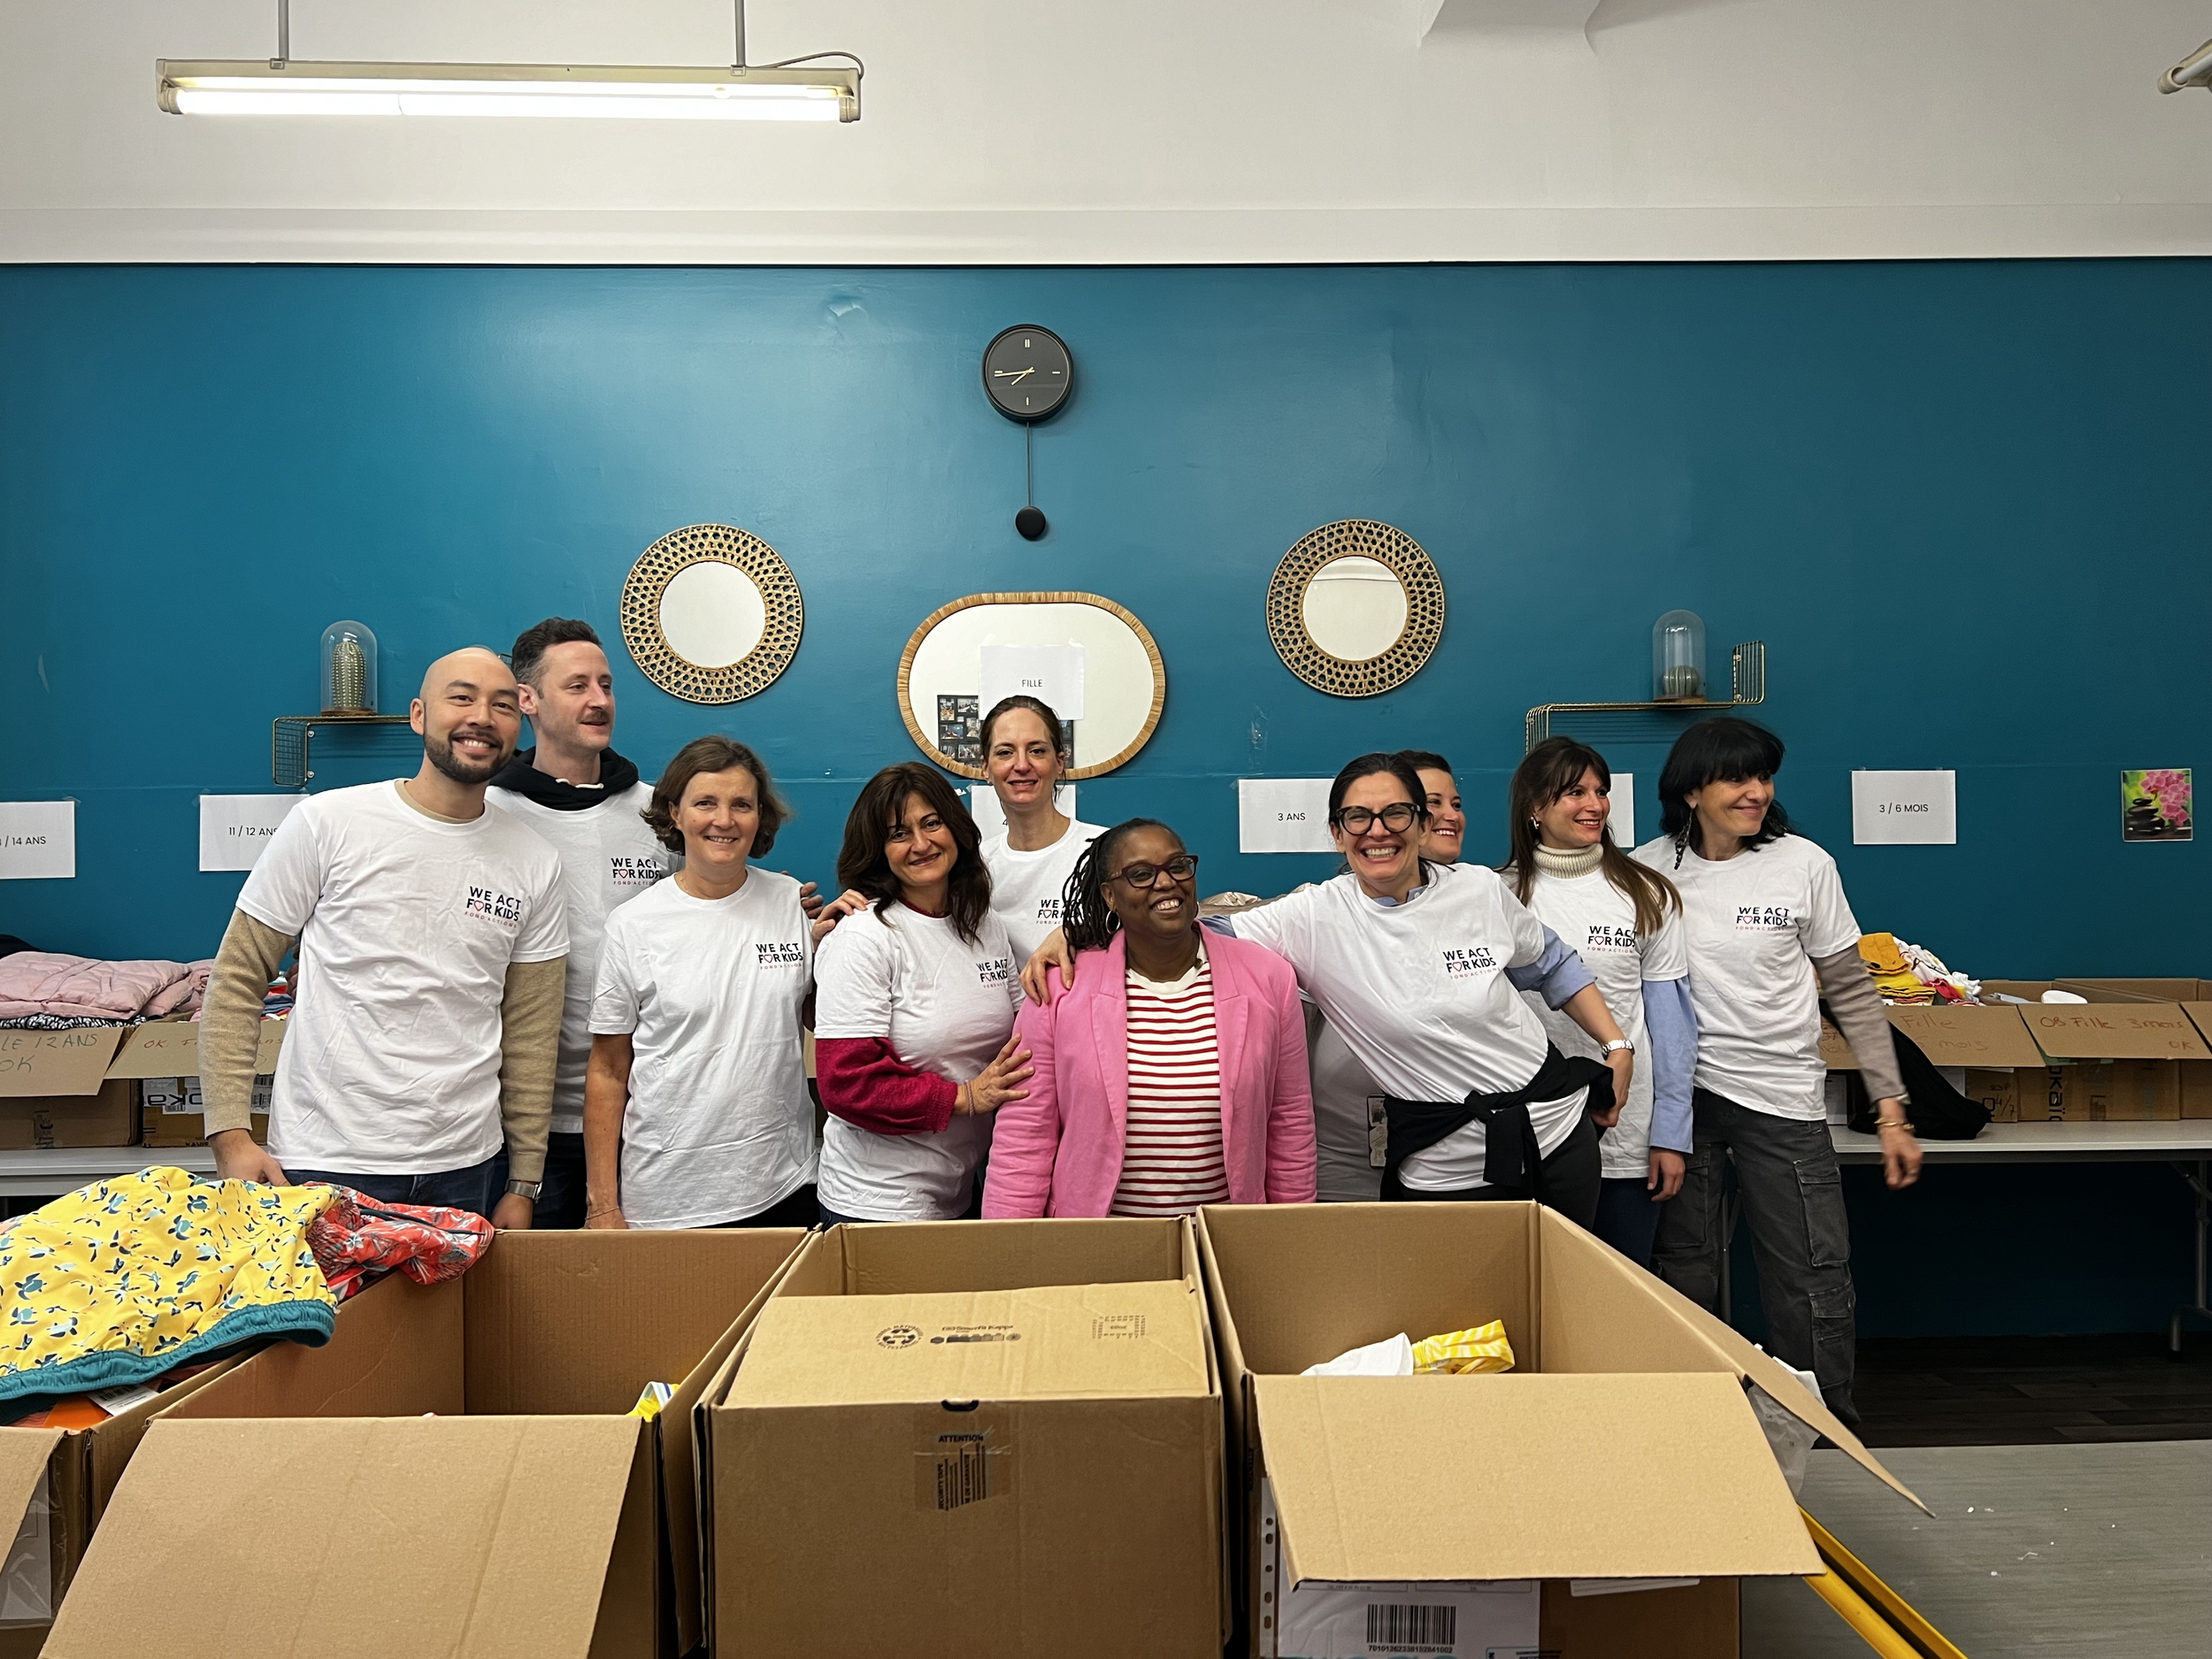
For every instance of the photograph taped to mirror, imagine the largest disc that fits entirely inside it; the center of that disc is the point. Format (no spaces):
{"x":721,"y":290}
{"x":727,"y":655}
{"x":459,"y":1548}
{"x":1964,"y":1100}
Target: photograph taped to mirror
{"x":960,"y":726}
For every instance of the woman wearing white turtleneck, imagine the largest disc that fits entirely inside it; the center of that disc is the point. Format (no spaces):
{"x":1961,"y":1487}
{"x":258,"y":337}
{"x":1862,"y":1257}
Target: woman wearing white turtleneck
{"x":1625,"y":921}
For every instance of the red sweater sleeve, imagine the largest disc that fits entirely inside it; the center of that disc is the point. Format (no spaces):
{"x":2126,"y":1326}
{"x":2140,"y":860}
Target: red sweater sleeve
{"x":865,"y":1082}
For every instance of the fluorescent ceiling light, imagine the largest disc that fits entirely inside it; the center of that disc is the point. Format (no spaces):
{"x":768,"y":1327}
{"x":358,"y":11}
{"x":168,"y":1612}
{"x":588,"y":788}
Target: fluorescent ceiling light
{"x":797,"y":90}
{"x":605,"y":91}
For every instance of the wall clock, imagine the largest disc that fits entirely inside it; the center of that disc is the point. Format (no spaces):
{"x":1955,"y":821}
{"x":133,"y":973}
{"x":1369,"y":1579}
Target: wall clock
{"x":1027,"y":374}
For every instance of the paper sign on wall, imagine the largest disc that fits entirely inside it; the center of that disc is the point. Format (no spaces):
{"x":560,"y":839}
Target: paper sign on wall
{"x":38,"y":839}
{"x":1904,"y":808}
{"x":1623,"y":823}
{"x":1052,"y":673}
{"x":233,"y":828}
{"x":1283,"y":815}
{"x":990,"y":818}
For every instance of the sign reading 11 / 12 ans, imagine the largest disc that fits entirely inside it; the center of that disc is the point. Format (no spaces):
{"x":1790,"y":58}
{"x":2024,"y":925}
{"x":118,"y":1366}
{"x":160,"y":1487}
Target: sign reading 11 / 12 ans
{"x":1904,"y":808}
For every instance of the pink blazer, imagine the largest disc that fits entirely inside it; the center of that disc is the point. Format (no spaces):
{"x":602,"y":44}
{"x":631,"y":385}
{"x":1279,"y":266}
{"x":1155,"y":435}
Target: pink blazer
{"x":1058,"y":1153}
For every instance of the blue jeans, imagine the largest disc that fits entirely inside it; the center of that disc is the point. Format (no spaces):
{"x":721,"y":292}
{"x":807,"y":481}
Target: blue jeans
{"x":477,"y":1189}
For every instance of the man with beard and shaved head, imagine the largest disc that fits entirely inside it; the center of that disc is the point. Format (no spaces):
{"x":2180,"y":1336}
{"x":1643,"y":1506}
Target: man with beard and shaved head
{"x":432,"y":938}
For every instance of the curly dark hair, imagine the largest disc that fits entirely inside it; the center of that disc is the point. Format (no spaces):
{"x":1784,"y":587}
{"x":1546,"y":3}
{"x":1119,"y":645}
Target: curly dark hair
{"x":863,"y":865}
{"x":1084,"y":917}
{"x":713,"y":753}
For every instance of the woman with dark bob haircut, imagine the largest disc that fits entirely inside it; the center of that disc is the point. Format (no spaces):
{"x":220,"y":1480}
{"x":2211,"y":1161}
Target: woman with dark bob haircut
{"x":1419,"y":967}
{"x":1174,"y":1075}
{"x":913,"y":1043}
{"x":703,"y":978}
{"x":1770,"y":933}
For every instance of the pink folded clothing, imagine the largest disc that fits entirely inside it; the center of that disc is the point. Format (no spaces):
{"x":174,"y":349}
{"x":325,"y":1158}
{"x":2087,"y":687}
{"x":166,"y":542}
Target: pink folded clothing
{"x":358,"y":1239}
{"x":42,"y":982}
{"x":185,"y":997}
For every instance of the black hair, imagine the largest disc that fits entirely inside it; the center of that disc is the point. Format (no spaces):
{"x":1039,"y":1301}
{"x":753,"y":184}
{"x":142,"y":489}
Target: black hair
{"x":1725,"y":749}
{"x":714,"y":753}
{"x":528,"y":660}
{"x":1548,"y":771}
{"x":1085,"y":918}
{"x":1424,"y":760}
{"x":863,"y":865}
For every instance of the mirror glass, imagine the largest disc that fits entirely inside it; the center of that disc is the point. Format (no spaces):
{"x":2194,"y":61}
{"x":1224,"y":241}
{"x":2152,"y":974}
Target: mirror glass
{"x":1076,"y":656}
{"x":712,"y":614}
{"x":1354,"y":608}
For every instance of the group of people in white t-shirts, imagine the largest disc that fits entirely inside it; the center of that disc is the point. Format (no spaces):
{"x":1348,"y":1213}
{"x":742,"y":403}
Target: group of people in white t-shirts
{"x":531,"y":985}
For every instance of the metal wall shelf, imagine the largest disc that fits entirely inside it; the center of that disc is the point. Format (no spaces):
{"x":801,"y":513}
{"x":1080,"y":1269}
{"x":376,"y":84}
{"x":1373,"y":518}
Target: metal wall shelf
{"x":289,"y":736}
{"x":1748,"y":684}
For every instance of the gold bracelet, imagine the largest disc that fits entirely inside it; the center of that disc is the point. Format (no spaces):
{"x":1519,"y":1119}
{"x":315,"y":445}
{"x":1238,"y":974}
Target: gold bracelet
{"x":1893,"y":1123}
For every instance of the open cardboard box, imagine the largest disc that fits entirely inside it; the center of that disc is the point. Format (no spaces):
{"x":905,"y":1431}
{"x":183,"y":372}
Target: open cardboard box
{"x":164,"y":1056}
{"x":454,"y":1472}
{"x":2131,"y":1053}
{"x":1433,"y":1503}
{"x":1989,"y":1043}
{"x":1003,"y":1438}
{"x":57,"y":1090}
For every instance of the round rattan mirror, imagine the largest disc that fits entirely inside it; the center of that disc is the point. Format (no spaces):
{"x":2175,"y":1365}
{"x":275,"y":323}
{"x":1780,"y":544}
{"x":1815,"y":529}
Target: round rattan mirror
{"x":1355,"y":607}
{"x":711,"y":613}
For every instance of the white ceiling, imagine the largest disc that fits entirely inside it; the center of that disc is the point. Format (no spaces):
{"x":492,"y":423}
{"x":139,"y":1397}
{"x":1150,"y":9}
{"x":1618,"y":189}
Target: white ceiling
{"x":1150,"y":131}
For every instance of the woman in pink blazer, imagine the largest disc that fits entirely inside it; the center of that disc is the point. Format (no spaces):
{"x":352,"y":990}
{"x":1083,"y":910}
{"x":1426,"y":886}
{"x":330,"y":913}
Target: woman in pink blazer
{"x":1173,"y":1073}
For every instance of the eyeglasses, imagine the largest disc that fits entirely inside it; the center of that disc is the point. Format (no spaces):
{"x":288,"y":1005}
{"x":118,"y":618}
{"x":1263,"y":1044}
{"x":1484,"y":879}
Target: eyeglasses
{"x":1398,"y":815}
{"x":1182,"y":867}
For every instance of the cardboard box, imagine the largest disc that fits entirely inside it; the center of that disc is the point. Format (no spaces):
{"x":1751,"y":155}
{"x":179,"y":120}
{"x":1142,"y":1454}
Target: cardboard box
{"x":460,"y":1456}
{"x":164,"y":1055}
{"x":55,"y":1090}
{"x":2119,"y":1057}
{"x":1436,"y":1492}
{"x":999,"y":1438}
{"x":1991,"y":1046}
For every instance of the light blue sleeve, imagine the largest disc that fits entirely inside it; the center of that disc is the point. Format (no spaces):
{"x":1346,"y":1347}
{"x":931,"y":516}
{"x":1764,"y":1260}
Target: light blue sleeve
{"x":1558,"y":973}
{"x":1225,"y":926}
{"x":1672,"y":1024}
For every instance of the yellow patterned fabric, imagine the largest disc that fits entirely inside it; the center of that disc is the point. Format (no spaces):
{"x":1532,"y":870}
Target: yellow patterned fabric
{"x":1484,"y":1348}
{"x":124,"y":1280}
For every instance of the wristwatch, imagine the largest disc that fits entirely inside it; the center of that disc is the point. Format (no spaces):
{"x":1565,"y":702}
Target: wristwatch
{"x":525,"y":1189}
{"x":1618,"y":1044}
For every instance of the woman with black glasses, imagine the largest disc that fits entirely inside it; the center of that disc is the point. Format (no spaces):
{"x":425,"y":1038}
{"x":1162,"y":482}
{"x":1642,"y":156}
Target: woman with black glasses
{"x":1419,"y":967}
{"x":1174,"y":1075}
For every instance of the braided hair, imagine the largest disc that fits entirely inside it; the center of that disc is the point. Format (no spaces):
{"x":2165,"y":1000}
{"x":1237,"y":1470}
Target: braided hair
{"x":1084,"y":918}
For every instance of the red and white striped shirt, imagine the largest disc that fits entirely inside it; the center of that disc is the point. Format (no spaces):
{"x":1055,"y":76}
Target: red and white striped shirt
{"x":1172,"y":1160}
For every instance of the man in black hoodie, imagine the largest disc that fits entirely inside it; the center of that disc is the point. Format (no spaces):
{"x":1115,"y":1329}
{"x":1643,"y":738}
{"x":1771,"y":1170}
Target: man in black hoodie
{"x":584,"y":798}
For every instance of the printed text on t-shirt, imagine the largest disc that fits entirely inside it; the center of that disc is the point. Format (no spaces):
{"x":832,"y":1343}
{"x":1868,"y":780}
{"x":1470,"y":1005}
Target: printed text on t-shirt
{"x":1605,"y":937}
{"x":1764,"y":918}
{"x":784,"y":955}
{"x":502,"y":907}
{"x":626,"y":872}
{"x":1465,"y":963}
{"x":997,"y":971}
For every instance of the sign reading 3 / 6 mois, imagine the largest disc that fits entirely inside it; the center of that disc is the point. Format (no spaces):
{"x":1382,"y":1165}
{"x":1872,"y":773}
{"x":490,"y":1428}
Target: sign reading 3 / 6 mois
{"x":1904,"y":808}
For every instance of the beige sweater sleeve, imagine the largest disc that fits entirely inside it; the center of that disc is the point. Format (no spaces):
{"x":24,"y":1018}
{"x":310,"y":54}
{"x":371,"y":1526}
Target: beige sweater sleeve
{"x":529,"y":1050}
{"x":1857,"y":1007}
{"x":230,"y":1019}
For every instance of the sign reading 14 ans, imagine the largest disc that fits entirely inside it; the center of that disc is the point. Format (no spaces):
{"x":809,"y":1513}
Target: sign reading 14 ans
{"x":1904,"y":808}
{"x":38,"y":840}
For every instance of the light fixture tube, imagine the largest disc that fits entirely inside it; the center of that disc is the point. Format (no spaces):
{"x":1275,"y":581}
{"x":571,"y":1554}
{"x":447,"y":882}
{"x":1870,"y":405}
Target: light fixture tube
{"x":605,"y":91}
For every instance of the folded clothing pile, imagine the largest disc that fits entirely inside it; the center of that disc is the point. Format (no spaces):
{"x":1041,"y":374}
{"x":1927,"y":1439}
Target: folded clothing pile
{"x":123,"y":1281}
{"x":46,"y":990}
{"x":1907,"y":976}
{"x":1480,"y":1349}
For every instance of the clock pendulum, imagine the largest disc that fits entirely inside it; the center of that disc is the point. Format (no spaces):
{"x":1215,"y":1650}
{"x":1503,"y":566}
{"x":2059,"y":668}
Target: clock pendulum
{"x":1027,"y":374}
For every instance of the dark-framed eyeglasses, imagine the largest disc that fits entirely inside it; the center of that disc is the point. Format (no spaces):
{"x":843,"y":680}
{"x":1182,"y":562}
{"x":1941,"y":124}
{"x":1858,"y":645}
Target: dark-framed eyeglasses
{"x":1398,"y":815}
{"x":1182,"y":867}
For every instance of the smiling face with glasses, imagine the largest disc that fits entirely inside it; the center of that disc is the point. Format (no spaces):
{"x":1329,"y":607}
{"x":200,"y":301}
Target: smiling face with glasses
{"x":1151,"y":886}
{"x":1378,"y":829}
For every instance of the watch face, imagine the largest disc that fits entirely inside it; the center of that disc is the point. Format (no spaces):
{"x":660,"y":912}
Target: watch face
{"x":1027,"y":373}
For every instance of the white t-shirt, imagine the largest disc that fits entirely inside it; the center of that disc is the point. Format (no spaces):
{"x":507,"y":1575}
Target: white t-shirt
{"x":1025,"y":888}
{"x":608,"y":857}
{"x":1418,"y":992}
{"x":407,"y":927}
{"x":946,"y":1005}
{"x":1753,"y":924}
{"x":1345,"y":1172}
{"x":1597,"y":921}
{"x":719,"y":1126}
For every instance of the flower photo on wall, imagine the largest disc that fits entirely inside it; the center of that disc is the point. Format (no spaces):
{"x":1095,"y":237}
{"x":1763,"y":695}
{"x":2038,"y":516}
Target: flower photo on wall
{"x":2155,"y":804}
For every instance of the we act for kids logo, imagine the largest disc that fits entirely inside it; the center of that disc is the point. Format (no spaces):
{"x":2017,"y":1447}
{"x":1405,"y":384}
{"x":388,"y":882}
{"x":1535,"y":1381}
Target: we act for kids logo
{"x":503,"y":909}
{"x":1468,"y":961}
{"x":997,"y":971}
{"x":1610,"y":940}
{"x":624,"y":871}
{"x":1764,"y":918}
{"x":783,"y":955}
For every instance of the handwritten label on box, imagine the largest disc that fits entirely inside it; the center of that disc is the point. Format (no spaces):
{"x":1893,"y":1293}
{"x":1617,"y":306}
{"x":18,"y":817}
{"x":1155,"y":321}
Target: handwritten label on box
{"x":38,"y":840}
{"x":1283,"y":815}
{"x":233,"y":828}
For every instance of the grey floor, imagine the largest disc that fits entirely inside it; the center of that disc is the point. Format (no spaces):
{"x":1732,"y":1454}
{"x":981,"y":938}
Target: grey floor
{"x":2047,"y":1550}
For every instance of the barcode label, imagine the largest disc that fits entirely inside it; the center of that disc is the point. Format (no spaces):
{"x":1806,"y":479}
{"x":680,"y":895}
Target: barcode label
{"x":963,"y":1470}
{"x":1401,"y":1627}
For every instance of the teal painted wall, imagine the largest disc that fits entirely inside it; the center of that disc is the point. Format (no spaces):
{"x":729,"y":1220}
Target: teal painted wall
{"x":1957,"y":500}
